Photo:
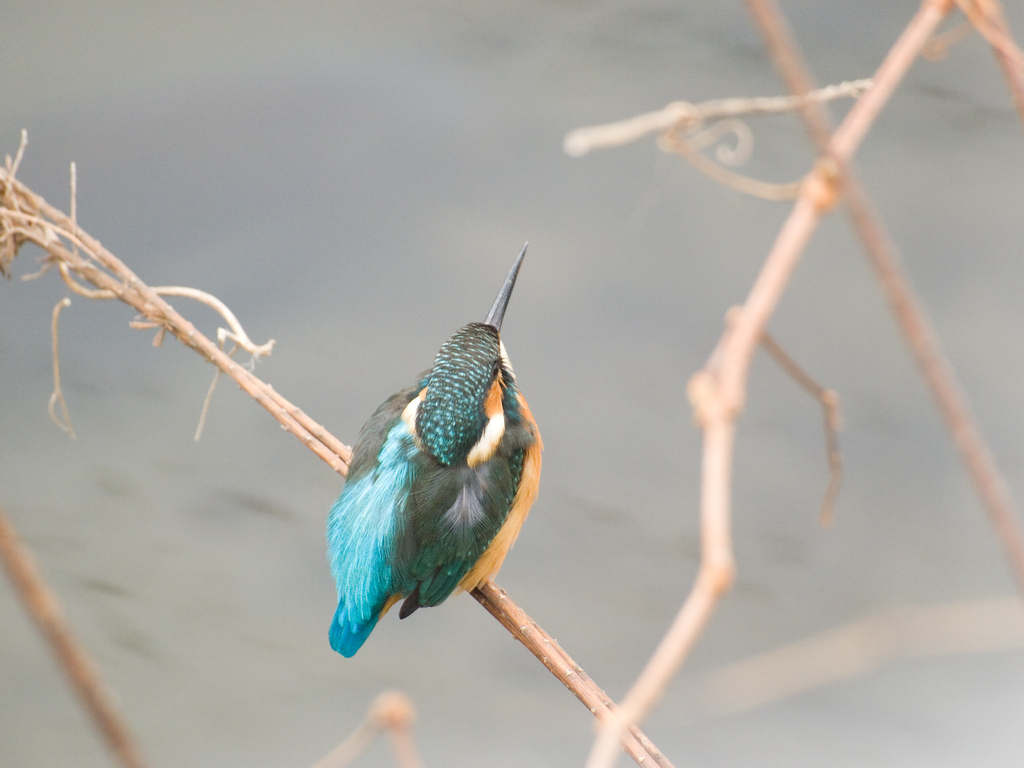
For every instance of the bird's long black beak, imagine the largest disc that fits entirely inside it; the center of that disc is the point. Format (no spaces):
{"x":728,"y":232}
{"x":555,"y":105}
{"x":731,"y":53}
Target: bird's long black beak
{"x":497,"y":312}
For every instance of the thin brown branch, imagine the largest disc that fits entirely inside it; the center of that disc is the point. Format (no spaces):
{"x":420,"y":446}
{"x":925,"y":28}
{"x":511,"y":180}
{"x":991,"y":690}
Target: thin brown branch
{"x":11,"y":238}
{"x":76,"y":287}
{"x":673,"y":141}
{"x":391,"y":711}
{"x":988,"y":18}
{"x":718,"y":392}
{"x":680,"y":130}
{"x":951,"y":401}
{"x":683,"y":115}
{"x":26,"y":217}
{"x":42,"y":605}
{"x":237,"y":333}
{"x":12,"y":167}
{"x":206,"y":402}
{"x":831,"y":415}
{"x":910,"y":315}
{"x":717,"y":396}
{"x":777,"y":36}
{"x":863,"y":114}
{"x":560,"y":664}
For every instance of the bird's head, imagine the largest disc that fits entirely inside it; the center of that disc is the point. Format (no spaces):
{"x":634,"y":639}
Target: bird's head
{"x":459,"y":415}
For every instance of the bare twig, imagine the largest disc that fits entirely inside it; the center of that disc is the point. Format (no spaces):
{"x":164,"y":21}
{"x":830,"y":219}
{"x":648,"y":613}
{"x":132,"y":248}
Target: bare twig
{"x":76,"y":287}
{"x":12,"y":168}
{"x":718,"y":391}
{"x":831,"y":415}
{"x":13,"y":238}
{"x":237,"y":333}
{"x":988,"y":18}
{"x":58,"y":395}
{"x":679,"y":126}
{"x":936,"y":371}
{"x":392,"y":711}
{"x":26,"y":217}
{"x":560,"y":664}
{"x":681,"y":114}
{"x":206,"y":402}
{"x":42,"y":605}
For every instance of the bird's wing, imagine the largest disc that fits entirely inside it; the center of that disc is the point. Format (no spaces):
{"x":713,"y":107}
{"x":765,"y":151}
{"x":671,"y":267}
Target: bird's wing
{"x":362,"y":525}
{"x":450,"y":517}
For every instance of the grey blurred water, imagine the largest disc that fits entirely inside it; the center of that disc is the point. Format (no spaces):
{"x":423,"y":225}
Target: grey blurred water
{"x":353,"y":179}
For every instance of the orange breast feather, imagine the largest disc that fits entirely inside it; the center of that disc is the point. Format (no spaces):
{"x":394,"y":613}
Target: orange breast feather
{"x":492,"y":558}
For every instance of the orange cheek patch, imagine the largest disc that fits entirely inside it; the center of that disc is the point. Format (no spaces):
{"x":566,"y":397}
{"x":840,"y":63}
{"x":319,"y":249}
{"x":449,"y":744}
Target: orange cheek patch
{"x":492,"y":405}
{"x":495,"y":429}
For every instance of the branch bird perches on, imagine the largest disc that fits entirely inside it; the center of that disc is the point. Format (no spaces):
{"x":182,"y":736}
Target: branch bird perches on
{"x":25,"y":217}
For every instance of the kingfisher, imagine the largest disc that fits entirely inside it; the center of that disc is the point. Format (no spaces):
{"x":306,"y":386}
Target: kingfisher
{"x":442,"y":476}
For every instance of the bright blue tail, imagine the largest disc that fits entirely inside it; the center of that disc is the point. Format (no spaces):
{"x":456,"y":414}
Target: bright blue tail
{"x":346,"y":636}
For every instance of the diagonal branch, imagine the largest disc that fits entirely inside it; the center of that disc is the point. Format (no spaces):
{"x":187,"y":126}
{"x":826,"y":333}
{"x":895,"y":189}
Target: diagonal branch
{"x":42,"y":605}
{"x":910,"y":315}
{"x":26,"y":217}
{"x":718,"y":391}
{"x":680,"y":129}
{"x":681,"y":115}
{"x":560,"y":664}
{"x":988,"y":18}
{"x":831,"y":415}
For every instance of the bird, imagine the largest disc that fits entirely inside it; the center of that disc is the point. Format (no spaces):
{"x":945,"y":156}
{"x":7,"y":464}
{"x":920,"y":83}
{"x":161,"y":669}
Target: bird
{"x":442,"y":477}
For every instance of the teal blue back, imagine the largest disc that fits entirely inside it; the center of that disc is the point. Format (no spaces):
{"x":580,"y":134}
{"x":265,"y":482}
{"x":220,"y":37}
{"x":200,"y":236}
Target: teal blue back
{"x":361,"y":530}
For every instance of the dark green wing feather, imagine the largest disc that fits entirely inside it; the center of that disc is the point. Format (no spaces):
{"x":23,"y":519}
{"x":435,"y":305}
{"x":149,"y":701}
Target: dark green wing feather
{"x":452,"y":514}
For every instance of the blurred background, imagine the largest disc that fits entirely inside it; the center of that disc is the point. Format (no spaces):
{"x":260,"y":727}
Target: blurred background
{"x":353,"y":179}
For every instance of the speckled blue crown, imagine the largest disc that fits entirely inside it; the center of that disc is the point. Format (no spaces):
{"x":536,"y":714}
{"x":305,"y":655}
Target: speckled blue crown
{"x":451,"y":417}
